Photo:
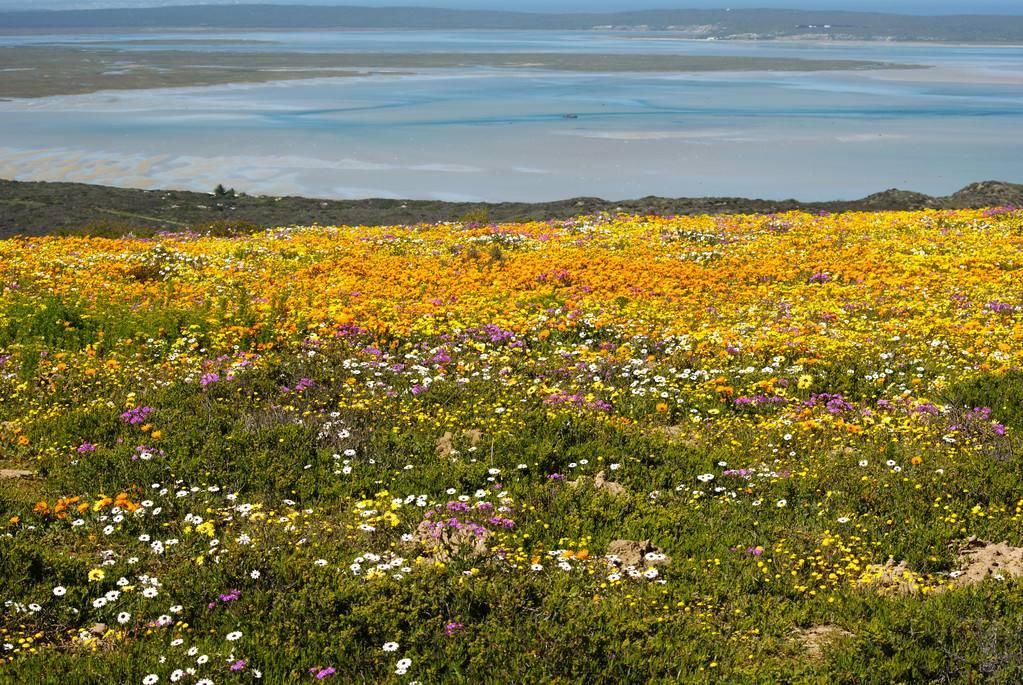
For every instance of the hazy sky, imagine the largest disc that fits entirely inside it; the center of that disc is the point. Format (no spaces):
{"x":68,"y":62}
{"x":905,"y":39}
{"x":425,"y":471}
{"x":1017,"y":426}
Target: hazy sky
{"x":906,"y":6}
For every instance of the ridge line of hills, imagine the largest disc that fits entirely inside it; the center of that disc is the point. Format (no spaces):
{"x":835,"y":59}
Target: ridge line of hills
{"x":40,"y":208}
{"x":708,"y":24}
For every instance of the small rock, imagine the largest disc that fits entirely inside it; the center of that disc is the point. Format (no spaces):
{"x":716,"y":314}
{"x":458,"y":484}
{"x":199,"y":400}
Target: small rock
{"x":600,"y":483}
{"x":609,"y":485}
{"x":445,"y":444}
{"x":440,"y":543}
{"x":13,"y":474}
{"x":635,"y":553}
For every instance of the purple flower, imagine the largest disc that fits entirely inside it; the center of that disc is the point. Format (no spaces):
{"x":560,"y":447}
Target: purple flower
{"x":348,"y":330}
{"x":321,"y":673}
{"x":230,"y":596}
{"x":208,"y":378}
{"x":86,"y":448}
{"x":136,"y":415}
{"x":501,"y":521}
{"x":926,"y":408}
{"x":301,"y":385}
{"x":453,"y":627}
{"x":835,"y":404}
{"x":999,"y":307}
{"x":239,"y":665}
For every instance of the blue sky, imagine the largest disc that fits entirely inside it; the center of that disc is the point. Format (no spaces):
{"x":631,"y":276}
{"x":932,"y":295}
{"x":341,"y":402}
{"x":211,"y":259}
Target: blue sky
{"x":906,"y":6}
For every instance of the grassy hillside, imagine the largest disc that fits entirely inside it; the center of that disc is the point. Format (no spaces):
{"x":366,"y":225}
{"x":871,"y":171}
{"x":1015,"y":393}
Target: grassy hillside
{"x":711,"y":449}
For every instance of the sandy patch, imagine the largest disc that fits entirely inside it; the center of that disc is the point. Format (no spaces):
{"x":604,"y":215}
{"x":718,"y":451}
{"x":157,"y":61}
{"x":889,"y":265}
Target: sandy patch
{"x":817,"y":638}
{"x":14,"y":474}
{"x":979,"y":560}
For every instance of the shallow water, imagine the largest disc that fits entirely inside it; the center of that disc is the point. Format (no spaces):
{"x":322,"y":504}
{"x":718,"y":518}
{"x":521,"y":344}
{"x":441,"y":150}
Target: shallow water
{"x":525,"y":134}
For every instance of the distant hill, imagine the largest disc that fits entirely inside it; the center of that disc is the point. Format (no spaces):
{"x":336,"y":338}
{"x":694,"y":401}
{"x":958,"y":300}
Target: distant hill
{"x":38,"y":208}
{"x":716,"y":24}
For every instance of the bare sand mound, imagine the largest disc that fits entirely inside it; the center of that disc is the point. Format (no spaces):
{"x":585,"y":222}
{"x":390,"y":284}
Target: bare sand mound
{"x":980,"y":559}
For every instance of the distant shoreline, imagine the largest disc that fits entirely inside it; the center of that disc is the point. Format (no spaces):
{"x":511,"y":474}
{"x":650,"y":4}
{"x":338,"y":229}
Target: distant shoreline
{"x":662,"y":35}
{"x":42,"y":208}
{"x":42,"y":71}
{"x":863,"y":42}
{"x":720,"y":24}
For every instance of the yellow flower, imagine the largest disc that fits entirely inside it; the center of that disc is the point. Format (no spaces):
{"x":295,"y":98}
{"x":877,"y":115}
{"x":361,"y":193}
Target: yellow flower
{"x":96,"y":575}
{"x":805,"y":381}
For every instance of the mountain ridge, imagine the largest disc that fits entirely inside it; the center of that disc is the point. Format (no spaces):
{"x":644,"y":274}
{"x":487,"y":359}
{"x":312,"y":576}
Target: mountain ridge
{"x":697,"y":23}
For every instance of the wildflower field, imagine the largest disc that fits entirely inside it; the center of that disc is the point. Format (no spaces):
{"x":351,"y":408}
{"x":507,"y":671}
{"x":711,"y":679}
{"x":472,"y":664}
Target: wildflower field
{"x":612,"y":449}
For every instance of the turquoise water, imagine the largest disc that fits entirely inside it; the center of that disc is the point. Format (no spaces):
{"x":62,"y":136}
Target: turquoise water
{"x":527,"y":134}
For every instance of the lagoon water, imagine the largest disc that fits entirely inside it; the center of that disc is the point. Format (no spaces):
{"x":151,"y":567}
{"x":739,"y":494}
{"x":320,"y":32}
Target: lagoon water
{"x":522,"y":133}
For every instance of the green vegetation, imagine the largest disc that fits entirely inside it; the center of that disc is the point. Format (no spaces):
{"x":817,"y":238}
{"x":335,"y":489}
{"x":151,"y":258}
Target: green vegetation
{"x":732,"y":449}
